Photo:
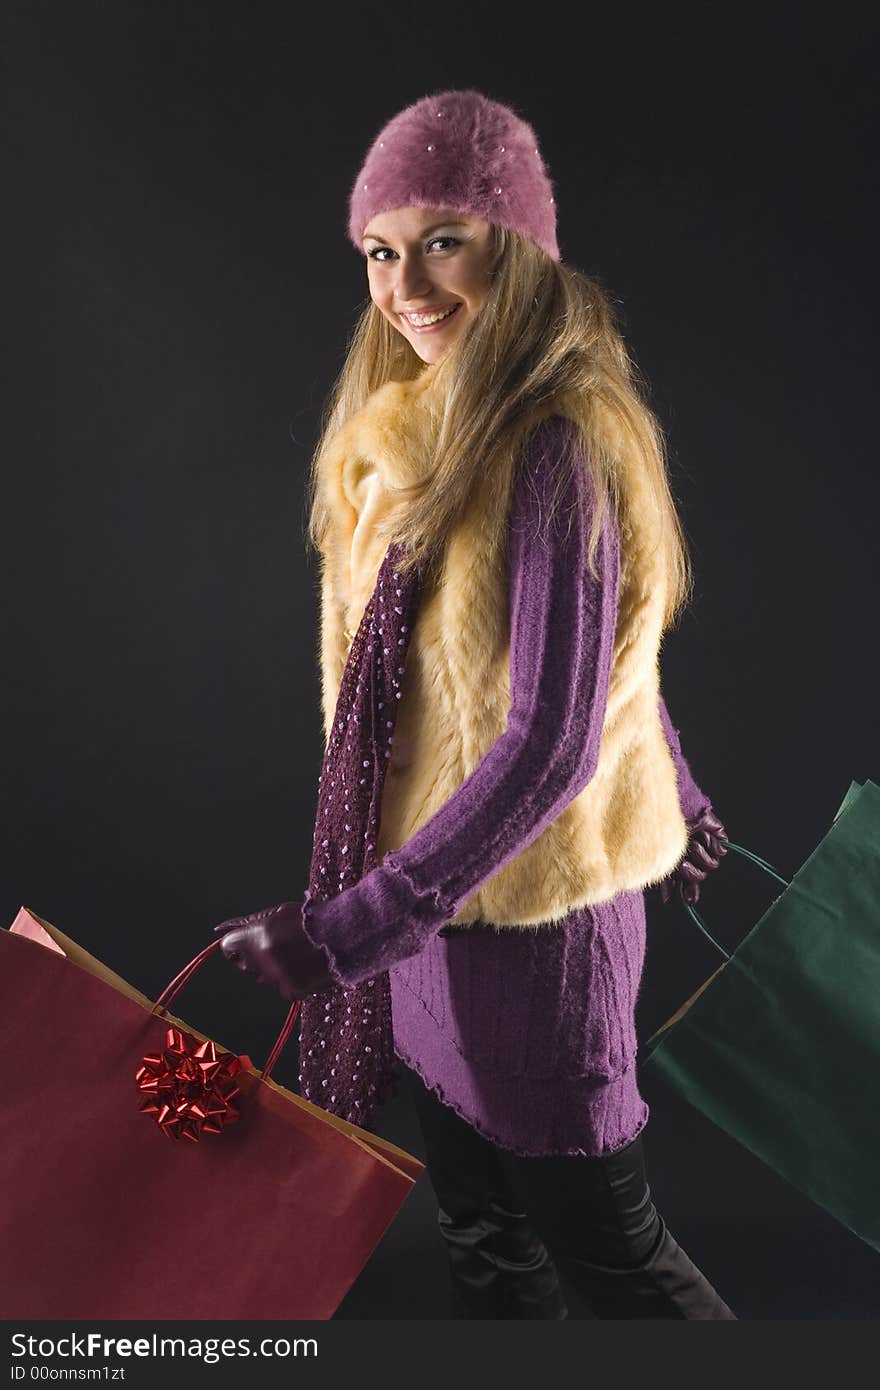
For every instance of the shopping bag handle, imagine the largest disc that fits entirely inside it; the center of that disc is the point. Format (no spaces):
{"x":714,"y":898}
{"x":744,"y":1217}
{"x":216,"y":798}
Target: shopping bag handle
{"x":185,"y":975}
{"x":756,"y":859}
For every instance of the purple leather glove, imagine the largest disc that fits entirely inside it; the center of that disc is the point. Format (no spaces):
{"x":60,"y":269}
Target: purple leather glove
{"x":273,"y":946}
{"x":704,"y":853}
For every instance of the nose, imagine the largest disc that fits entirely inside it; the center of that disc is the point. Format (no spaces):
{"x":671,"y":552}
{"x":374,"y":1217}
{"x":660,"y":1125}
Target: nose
{"x":413,"y":281}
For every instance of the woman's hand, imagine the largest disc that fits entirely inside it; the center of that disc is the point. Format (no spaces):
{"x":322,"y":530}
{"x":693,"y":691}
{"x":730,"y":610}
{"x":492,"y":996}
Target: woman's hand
{"x":704,"y":853}
{"x":272,"y":946}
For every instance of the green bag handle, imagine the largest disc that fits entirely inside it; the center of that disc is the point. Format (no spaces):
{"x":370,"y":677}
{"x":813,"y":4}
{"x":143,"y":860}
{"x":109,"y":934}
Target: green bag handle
{"x":756,"y":859}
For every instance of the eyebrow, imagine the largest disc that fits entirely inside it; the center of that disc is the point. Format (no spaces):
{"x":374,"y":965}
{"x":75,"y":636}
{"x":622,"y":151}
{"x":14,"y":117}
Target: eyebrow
{"x":450,"y":222}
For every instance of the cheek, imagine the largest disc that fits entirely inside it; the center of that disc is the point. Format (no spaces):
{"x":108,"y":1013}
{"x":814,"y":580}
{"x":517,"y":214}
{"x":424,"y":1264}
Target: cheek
{"x":380,"y":300}
{"x":475,"y":296}
{"x":474,"y":286}
{"x":375,"y":288}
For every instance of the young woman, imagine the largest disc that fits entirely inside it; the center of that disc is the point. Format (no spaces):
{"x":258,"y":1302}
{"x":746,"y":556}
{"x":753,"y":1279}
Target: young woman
{"x":500,"y":558}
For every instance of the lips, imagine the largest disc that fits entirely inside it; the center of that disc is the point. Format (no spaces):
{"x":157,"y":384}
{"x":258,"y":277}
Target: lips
{"x":451,"y":310}
{"x":431,"y":309}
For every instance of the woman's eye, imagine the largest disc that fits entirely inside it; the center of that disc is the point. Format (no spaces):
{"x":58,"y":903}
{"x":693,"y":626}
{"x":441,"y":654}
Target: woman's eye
{"x":374,"y":253}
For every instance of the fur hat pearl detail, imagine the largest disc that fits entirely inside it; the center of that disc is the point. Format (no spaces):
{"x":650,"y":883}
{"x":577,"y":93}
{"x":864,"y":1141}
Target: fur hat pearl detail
{"x":477,"y":129}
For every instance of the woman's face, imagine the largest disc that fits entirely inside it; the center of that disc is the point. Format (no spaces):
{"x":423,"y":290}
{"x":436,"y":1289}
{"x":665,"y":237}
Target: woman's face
{"x":421,"y":260}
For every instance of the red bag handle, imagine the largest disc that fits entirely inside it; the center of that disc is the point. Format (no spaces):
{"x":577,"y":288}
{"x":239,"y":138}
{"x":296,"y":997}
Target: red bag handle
{"x":176,"y":985}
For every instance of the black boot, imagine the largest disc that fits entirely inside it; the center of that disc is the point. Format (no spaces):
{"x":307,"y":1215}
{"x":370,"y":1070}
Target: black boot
{"x":664,"y":1284}
{"x":499,"y":1266}
{"x":613,"y":1243}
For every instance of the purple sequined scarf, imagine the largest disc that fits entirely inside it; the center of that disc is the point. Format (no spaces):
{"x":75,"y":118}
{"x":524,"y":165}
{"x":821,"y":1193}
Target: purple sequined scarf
{"x":346,"y":1044}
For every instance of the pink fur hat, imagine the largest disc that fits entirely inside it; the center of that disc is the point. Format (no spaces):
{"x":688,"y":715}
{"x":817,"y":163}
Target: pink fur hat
{"x":458,"y":149}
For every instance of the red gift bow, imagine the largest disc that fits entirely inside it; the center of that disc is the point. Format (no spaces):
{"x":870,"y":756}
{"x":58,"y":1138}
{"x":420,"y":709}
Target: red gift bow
{"x":189,"y":1090}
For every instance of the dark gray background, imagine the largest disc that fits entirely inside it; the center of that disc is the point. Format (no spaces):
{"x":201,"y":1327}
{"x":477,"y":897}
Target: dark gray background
{"x":181,"y":291}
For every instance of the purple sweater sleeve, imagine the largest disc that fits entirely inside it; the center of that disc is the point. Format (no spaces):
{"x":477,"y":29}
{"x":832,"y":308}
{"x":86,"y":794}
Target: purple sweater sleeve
{"x":692,"y":799}
{"x":562,"y":623}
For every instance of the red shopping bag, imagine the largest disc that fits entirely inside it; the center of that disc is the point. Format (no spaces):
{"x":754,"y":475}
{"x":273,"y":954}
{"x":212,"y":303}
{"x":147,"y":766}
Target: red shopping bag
{"x":105,"y":1214}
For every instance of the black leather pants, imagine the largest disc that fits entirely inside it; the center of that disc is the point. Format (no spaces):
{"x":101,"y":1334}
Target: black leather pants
{"x":607,"y":1235}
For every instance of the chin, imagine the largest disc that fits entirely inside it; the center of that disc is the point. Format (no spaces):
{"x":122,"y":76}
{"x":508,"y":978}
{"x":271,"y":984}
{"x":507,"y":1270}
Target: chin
{"x":432,"y":352}
{"x":429,"y":357}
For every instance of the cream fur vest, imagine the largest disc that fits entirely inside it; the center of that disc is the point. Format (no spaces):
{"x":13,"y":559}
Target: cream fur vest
{"x":625,"y":830}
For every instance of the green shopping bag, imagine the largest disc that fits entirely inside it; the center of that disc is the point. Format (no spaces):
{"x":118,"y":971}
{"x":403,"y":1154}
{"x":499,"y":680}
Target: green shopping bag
{"x":780,"y":1047}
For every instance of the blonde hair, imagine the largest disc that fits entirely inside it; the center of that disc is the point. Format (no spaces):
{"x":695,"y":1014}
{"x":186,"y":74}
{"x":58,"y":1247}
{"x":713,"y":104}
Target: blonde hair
{"x":545,"y":340}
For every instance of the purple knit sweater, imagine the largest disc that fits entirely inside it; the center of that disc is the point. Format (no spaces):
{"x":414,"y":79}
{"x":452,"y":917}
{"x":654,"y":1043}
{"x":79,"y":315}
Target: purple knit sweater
{"x":527,"y":1033}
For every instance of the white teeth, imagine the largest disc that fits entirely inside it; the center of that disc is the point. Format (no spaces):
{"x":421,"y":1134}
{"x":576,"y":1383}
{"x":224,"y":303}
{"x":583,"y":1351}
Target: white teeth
{"x":422,"y":320}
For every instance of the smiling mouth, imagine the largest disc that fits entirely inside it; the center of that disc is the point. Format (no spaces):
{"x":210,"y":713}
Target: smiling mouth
{"x":431,"y":323}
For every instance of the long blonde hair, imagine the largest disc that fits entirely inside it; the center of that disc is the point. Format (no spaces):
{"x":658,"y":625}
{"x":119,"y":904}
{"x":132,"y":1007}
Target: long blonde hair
{"x":544,"y":340}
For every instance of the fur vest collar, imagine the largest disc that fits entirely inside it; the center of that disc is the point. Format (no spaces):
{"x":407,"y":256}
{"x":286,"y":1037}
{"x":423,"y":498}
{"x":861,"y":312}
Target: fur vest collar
{"x":625,"y":830}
